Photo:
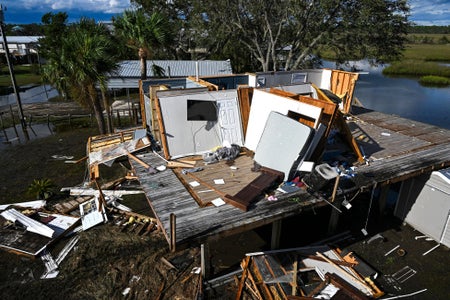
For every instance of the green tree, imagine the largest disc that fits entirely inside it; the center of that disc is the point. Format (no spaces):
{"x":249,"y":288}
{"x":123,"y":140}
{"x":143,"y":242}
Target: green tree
{"x":289,"y":34}
{"x":143,"y":33}
{"x":87,"y":55}
{"x":55,"y":28}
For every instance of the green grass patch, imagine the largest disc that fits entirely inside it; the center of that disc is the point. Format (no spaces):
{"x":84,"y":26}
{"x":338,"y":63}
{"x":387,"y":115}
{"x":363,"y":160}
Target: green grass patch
{"x":417,"y":69}
{"x":427,"y":52}
{"x":24,"y":75}
{"x":431,"y":80}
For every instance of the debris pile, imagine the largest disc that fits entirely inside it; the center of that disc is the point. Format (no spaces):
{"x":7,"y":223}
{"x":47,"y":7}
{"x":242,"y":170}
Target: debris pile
{"x":306,"y":273}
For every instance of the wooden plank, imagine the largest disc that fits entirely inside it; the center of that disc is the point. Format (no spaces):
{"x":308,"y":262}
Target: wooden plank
{"x":343,"y":84}
{"x":162,"y":129}
{"x":245,"y":95}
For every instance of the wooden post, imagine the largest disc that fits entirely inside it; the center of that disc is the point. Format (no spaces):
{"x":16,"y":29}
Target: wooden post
{"x":173,"y":240}
{"x":336,"y":185}
{"x":383,"y":198}
{"x":334,"y":218}
{"x":13,"y":121}
{"x":118,"y":118}
{"x":276,"y":233}
{"x":3,"y":128}
{"x":205,"y":266}
{"x":294,"y":276}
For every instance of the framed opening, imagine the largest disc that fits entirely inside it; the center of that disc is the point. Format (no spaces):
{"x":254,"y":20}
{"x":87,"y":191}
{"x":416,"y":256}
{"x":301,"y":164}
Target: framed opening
{"x":201,"y":110}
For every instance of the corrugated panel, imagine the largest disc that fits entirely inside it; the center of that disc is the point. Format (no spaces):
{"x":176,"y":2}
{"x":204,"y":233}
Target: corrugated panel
{"x":22,"y":39}
{"x":176,"y":68}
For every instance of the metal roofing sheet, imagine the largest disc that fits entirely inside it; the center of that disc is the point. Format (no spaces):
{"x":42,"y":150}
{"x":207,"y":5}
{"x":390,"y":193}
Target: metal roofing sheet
{"x":22,"y":39}
{"x":176,"y":68}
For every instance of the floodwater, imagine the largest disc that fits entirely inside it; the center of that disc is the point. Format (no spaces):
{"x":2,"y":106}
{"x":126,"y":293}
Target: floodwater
{"x":30,"y":94}
{"x":404,"y":97}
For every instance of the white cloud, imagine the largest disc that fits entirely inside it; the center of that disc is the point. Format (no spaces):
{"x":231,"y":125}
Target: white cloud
{"x":103,"y":6}
{"x":430,"y":12}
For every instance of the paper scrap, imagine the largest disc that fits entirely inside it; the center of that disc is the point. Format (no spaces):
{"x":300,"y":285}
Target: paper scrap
{"x":219,"y":181}
{"x":194,"y":183}
{"x":218,"y":202}
{"x":306,"y":166}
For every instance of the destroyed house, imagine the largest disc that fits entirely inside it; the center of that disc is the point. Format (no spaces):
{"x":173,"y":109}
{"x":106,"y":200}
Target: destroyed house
{"x":226,"y":153}
{"x":285,"y":128}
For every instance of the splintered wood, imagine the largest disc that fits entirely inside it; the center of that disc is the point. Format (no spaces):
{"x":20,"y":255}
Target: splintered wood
{"x":302,"y":273}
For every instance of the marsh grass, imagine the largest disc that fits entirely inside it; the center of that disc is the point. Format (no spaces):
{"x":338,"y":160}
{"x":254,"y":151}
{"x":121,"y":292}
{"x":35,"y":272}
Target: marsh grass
{"x":427,"y":52}
{"x":431,"y":80}
{"x":417,"y":68}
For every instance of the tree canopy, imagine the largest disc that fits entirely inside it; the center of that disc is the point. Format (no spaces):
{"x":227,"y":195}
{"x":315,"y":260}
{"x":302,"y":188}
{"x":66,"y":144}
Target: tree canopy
{"x":144,"y":33}
{"x":286,"y":34}
{"x":83,"y":55}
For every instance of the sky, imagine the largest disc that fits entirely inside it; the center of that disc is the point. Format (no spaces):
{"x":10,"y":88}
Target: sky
{"x":423,"y":12}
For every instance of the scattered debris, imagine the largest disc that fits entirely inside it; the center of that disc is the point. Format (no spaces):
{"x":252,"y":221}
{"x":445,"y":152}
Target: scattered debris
{"x":309,"y":272}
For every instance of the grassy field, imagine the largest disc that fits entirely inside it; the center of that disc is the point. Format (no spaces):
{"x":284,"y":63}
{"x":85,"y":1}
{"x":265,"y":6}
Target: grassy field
{"x":427,"y":52}
{"x":24,"y":74}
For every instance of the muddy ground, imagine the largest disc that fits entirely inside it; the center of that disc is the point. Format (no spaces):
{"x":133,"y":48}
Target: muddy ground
{"x":106,"y":261}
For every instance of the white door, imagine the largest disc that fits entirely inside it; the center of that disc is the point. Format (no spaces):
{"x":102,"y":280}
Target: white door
{"x":229,"y":120}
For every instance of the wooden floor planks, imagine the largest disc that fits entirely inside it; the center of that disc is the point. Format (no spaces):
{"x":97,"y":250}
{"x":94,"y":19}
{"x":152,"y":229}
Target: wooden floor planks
{"x":396,"y":148}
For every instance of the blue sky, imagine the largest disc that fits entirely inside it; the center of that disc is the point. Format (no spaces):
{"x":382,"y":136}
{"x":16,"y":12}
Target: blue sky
{"x":423,"y":12}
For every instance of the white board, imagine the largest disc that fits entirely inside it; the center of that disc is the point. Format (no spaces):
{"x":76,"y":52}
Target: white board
{"x":263,"y":103}
{"x":281,"y":143}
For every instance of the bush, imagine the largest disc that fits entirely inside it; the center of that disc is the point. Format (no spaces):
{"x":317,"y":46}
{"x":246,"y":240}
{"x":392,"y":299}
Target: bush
{"x":41,"y":188}
{"x":431,"y":80}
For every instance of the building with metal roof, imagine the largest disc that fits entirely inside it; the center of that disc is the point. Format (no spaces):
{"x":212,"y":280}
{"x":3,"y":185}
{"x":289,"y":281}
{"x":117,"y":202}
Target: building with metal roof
{"x":129,"y":72}
{"x":21,"y":46}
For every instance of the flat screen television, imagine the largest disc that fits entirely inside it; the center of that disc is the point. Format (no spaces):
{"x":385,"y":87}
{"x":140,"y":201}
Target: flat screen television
{"x":200,"y":110}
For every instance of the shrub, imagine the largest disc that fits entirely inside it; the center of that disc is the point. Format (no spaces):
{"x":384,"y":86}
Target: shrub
{"x":431,"y":80}
{"x":41,"y":188}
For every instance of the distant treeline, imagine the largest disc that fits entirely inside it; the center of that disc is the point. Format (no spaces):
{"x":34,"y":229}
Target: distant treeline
{"x":429,"y":29}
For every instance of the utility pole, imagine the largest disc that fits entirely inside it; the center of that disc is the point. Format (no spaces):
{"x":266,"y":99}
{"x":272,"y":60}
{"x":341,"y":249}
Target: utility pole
{"x":11,"y":72}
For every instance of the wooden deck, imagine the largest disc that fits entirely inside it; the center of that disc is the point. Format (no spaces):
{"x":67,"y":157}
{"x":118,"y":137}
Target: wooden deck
{"x":395,"y":148}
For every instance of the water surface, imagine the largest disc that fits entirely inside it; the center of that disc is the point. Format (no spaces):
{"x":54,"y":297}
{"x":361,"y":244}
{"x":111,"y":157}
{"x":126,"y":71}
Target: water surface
{"x":404,"y":97}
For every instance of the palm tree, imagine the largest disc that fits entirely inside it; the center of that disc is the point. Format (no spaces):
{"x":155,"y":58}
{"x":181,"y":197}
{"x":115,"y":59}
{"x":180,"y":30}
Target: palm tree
{"x":87,"y":56}
{"x":143,"y":32}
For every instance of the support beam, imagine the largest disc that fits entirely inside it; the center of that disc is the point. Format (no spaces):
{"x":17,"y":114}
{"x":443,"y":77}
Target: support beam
{"x":334,"y":218}
{"x":276,"y":234}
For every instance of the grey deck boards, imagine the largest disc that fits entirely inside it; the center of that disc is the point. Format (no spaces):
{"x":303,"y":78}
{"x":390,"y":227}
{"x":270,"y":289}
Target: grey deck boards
{"x":396,"y":150}
{"x":166,"y":195}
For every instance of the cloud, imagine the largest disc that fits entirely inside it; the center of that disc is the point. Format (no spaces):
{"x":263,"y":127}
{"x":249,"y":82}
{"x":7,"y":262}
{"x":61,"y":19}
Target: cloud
{"x":103,"y":6}
{"x":430,"y":12}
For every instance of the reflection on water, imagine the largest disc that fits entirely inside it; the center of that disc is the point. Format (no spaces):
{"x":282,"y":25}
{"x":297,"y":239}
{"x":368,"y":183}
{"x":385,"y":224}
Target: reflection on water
{"x":34,"y":94}
{"x":15,"y":135}
{"x":402,"y":96}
